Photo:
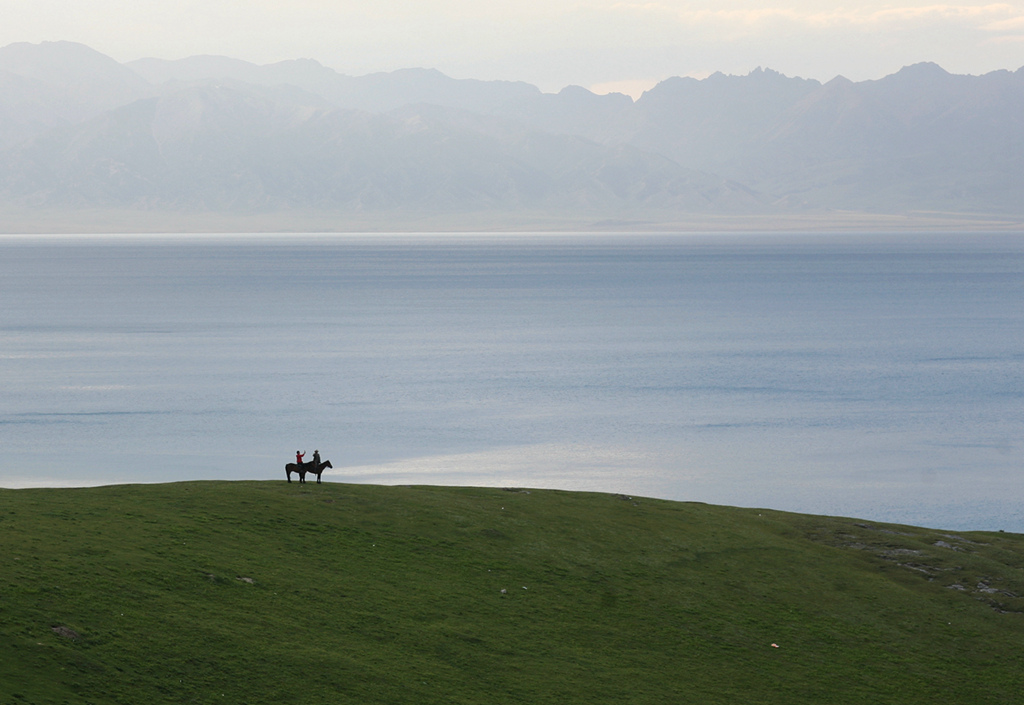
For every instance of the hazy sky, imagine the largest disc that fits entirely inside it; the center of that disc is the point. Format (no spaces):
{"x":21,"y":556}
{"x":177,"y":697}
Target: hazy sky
{"x":600,"y":44}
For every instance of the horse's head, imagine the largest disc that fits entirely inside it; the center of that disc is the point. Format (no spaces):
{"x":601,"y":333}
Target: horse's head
{"x":327,"y":464}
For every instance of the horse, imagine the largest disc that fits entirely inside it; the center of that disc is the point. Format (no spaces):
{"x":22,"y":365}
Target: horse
{"x":320,"y":469}
{"x":302,"y":468}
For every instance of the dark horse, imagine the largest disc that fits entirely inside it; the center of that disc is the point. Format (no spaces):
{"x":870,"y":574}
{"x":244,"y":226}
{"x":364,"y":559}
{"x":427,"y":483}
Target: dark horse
{"x":302,"y":468}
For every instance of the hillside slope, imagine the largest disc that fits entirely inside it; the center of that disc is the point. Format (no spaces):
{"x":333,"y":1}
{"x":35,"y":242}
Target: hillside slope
{"x":268,"y":592}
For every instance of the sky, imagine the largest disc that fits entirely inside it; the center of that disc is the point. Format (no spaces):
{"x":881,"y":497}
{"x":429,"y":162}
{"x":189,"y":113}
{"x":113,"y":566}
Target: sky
{"x":603,"y":45}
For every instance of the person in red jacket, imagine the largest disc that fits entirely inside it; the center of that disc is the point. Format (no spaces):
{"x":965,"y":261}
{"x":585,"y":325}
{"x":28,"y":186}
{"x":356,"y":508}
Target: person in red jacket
{"x":298,"y":457}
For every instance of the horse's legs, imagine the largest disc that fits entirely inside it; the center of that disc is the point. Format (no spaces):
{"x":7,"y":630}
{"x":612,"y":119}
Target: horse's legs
{"x":288,"y":474}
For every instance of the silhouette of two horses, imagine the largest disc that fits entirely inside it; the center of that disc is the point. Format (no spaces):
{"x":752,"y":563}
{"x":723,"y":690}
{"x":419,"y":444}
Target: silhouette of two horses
{"x":302,"y":468}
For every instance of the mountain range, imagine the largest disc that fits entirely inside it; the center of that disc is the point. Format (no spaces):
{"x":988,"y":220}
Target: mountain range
{"x":80,"y":132}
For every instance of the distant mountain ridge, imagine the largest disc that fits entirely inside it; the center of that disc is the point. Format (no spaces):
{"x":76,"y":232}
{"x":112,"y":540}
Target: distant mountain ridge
{"x":212,"y":134}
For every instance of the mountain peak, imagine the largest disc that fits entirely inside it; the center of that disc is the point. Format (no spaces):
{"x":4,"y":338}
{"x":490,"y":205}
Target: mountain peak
{"x":840,"y":81}
{"x":80,"y":81}
{"x":62,"y":63}
{"x":923,"y":68}
{"x":924,"y":73}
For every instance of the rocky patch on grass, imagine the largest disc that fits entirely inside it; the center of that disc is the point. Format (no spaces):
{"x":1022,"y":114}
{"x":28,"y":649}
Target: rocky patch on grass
{"x":931,"y":556}
{"x":961,"y":539}
{"x":66,"y":632}
{"x":899,"y":552}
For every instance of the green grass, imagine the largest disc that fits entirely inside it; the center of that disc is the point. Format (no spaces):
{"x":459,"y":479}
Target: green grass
{"x":268,"y":592}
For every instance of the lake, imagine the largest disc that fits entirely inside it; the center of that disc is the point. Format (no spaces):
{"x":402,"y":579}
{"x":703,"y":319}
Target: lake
{"x":871,"y":375}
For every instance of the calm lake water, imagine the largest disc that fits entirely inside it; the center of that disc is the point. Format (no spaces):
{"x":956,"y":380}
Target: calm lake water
{"x":872,"y":376}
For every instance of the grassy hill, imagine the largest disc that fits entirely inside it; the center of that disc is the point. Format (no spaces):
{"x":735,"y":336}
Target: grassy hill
{"x":268,"y":592}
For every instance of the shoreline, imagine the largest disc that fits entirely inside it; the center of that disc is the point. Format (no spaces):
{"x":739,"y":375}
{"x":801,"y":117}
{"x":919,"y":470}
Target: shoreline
{"x":27,"y":222}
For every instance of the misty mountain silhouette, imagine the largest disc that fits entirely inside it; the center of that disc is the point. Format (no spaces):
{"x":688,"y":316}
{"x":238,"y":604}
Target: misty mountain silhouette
{"x":214,"y":134}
